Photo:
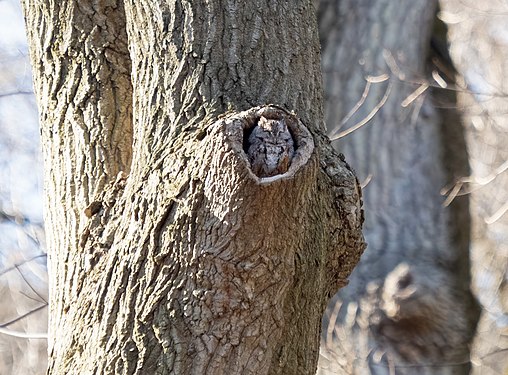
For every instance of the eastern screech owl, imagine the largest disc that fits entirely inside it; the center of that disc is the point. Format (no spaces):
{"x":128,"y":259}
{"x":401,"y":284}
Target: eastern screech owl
{"x":271,"y":147}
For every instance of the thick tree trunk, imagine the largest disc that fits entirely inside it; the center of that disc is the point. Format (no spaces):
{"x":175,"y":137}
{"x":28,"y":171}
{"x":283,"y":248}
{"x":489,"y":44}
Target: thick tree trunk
{"x":186,"y":262}
{"x":408,"y":308}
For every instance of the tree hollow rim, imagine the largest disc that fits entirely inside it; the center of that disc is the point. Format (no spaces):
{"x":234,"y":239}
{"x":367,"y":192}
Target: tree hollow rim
{"x":240,"y":123}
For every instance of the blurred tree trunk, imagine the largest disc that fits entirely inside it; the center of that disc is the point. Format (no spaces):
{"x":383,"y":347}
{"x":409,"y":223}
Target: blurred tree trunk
{"x":479,"y":49}
{"x":166,"y":253}
{"x":408,"y":308}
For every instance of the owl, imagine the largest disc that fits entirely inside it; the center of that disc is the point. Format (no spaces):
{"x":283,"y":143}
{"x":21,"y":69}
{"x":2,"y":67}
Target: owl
{"x":271,"y":147}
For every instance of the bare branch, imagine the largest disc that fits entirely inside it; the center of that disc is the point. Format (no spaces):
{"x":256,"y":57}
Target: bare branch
{"x":369,"y":81}
{"x":452,"y":194}
{"x":439,"y":80}
{"x":23,"y":335}
{"x":497,"y":215}
{"x":9,"y":269}
{"x":30,"y":286}
{"x":455,"y":189}
{"x":17,"y":319}
{"x":417,"y":108}
{"x":415,"y":95}
{"x":367,"y":180}
{"x":356,"y":107}
{"x":401,"y":77}
{"x":14,"y":93}
{"x":368,"y":118}
{"x":29,"y":297}
{"x":332,"y":323}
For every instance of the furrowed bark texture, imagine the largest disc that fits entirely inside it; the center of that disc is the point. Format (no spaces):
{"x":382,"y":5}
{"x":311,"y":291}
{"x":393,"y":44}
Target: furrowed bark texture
{"x":408,"y":309}
{"x":191,"y":263}
{"x":81,"y":70}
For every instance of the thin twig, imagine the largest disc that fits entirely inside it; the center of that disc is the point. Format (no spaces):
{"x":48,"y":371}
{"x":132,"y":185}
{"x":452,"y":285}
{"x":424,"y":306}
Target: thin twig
{"x":9,"y":269}
{"x":401,"y":76}
{"x":14,"y":93}
{"x":368,"y":118}
{"x":497,"y":215}
{"x":454,"y":190}
{"x":414,"y":95}
{"x":30,"y":286}
{"x":369,"y":81}
{"x":365,"y":182}
{"x":17,"y":319}
{"x":439,"y":80}
{"x":357,"y":105}
{"x":29,"y":297}
{"x":332,"y":322}
{"x":453,"y":194}
{"x":23,"y":335}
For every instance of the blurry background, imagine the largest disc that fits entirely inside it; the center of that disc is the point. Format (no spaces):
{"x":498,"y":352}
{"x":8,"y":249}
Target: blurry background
{"x":478,"y":34}
{"x":23,"y":274}
{"x":478,"y":38}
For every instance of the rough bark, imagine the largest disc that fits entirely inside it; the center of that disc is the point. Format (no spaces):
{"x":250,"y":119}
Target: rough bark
{"x":81,"y":72}
{"x":189,"y":263}
{"x":408,"y":308}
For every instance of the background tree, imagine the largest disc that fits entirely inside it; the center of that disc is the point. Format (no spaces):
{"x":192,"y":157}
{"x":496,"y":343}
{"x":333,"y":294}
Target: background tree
{"x":167,"y":254}
{"x":408,"y":308}
{"x":479,"y":49}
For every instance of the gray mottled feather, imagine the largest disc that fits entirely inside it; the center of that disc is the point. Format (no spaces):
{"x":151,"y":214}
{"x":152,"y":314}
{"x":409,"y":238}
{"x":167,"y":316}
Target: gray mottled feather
{"x":271,"y":147}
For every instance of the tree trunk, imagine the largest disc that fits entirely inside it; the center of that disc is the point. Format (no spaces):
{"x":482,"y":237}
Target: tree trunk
{"x":408,"y":308}
{"x":481,"y":55}
{"x":184,"y":261}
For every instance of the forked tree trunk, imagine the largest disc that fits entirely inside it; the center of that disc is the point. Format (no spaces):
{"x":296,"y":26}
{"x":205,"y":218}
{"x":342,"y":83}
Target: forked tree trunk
{"x":408,"y":308}
{"x":183,"y":261}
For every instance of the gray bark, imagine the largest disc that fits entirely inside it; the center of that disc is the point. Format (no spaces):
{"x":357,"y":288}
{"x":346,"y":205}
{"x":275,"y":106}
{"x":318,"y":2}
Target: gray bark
{"x":184,"y":261}
{"x":408,"y":308}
